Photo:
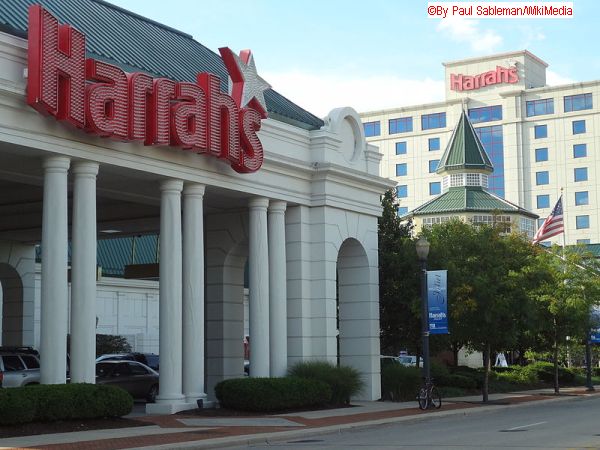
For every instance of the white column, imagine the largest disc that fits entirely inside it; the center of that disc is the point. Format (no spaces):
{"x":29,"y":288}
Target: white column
{"x":170,"y":336}
{"x":83,"y":274}
{"x":54,"y":298}
{"x":193,"y":293}
{"x":277,"y":289}
{"x":258,"y":266}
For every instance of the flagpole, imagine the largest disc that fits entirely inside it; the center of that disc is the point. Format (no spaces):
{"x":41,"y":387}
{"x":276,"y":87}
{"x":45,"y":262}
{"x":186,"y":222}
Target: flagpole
{"x":564,"y":233}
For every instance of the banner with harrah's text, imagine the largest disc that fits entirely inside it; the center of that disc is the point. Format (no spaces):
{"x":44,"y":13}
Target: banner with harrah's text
{"x":595,"y":328}
{"x":437,"y":301}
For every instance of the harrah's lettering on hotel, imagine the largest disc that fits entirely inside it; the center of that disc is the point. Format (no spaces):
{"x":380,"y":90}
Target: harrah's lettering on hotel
{"x":103,"y":99}
{"x":468,"y":83}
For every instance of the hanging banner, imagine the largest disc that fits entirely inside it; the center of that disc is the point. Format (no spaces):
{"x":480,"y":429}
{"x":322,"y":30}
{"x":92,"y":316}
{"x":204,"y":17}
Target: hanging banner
{"x":595,"y":331}
{"x":437,"y":301}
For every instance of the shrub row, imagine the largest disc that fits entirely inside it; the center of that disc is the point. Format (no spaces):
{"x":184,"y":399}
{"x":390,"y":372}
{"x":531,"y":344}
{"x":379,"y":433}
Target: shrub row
{"x":45,"y":403}
{"x":271,"y":394}
{"x":399,"y":383}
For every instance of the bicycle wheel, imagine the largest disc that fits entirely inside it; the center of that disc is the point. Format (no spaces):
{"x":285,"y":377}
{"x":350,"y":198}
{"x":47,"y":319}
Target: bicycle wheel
{"x":436,"y":398}
{"x":422,"y":398}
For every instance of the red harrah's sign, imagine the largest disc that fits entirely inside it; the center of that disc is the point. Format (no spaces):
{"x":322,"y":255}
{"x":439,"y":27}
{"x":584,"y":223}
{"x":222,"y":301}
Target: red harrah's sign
{"x":468,"y":83}
{"x":103,"y":99}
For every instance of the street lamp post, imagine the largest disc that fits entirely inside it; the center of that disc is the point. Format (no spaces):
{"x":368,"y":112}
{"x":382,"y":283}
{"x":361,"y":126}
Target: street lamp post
{"x":422,"y":252}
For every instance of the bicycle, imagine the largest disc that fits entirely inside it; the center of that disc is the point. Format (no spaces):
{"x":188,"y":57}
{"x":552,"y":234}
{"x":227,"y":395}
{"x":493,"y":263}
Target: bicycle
{"x":429,"y":396}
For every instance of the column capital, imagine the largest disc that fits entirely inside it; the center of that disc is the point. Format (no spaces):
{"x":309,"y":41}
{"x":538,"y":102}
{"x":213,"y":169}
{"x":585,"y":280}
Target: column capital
{"x":277,"y":206}
{"x":258,"y":203}
{"x":88,"y":168}
{"x":56,"y":164}
{"x":194,"y":189}
{"x":176,"y":186}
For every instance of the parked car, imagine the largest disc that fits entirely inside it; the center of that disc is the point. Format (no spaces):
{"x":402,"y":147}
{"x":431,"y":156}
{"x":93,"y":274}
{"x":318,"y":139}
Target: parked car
{"x":19,"y":369}
{"x":136,"y":378}
{"x":149,"y":359}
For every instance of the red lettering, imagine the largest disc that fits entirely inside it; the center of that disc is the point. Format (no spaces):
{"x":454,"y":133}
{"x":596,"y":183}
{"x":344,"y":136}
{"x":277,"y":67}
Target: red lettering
{"x":160,"y":129}
{"x":140,"y":97}
{"x":252,"y":150}
{"x":489,"y":78}
{"x":456,"y":82}
{"x":513,"y":77}
{"x":459,"y":82}
{"x":56,"y":68}
{"x":188,"y":118}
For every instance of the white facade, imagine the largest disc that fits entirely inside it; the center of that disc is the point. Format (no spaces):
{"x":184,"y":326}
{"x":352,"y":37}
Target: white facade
{"x":310,"y":212}
{"x":524,"y":169}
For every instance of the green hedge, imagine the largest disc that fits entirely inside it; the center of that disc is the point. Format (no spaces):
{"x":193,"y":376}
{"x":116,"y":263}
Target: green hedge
{"x":344,"y":382}
{"x":45,"y":403}
{"x":399,"y":383}
{"x":271,"y":394}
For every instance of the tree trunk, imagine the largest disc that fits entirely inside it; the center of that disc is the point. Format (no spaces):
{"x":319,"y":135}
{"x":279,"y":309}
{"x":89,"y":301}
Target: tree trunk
{"x":486,"y":373}
{"x":556,"y":385}
{"x":455,"y":350}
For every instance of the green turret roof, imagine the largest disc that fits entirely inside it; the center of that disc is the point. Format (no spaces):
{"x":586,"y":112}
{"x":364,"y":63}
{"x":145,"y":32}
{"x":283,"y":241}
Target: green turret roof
{"x":464,"y":151}
{"x":468,"y":199}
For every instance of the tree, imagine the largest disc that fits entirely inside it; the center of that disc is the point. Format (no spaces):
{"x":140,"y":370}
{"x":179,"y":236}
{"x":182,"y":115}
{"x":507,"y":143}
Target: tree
{"x":398,"y":282}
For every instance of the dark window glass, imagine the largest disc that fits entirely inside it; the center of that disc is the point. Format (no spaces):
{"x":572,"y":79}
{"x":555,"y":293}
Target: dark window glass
{"x":136,"y":369}
{"x":12,"y":363}
{"x":582,"y":222}
{"x":30,"y":361}
{"x":541,"y":154}
{"x":542,"y":177}
{"x":372,"y":129}
{"x":402,"y":125}
{"x":433,"y":164}
{"x":580,"y":174}
{"x":401,"y":170}
{"x":540,"y":131}
{"x":543,"y":201}
{"x":492,"y":140}
{"x":540,"y":107}
{"x":578,"y":126}
{"x":579,"y":150}
{"x":582,"y":198}
{"x":402,"y":210}
{"x":578,"y":102}
{"x":540,"y":221}
{"x":401,"y":148}
{"x":402,"y":191}
{"x":434,"y":144}
{"x":436,"y":120}
{"x":583,"y":241}
{"x":485,"y":114}
{"x":435,"y":188}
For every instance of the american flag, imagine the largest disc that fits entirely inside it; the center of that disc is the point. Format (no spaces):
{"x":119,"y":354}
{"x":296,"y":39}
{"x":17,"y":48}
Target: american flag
{"x":553,"y":224}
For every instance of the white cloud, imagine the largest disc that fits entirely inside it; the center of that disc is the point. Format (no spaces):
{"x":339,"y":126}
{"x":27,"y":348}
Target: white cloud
{"x":320,"y":93}
{"x":468,"y":31}
{"x":555,"y":79}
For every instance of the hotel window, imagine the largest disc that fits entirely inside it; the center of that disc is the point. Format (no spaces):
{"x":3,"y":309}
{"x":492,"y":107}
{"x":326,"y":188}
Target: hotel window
{"x":540,"y":107}
{"x":434,"y":144}
{"x":540,"y":222}
{"x":372,"y":129}
{"x":402,"y":191}
{"x":433,"y":164}
{"x":473,"y":179}
{"x":401,"y":170}
{"x":401,"y":148}
{"x":540,"y":131}
{"x":493,"y":142}
{"x":580,"y":174}
{"x":582,"y":198}
{"x":402,"y":210}
{"x":541,"y":154}
{"x":578,"y":102}
{"x":542,"y":178}
{"x":583,"y":241}
{"x":578,"y":126}
{"x":543,"y":201}
{"x":402,"y":125}
{"x":429,"y":221}
{"x":456,"y":179}
{"x":579,"y":150}
{"x":485,"y":114}
{"x":582,"y":222}
{"x":435,"y":188}
{"x":437,"y":120}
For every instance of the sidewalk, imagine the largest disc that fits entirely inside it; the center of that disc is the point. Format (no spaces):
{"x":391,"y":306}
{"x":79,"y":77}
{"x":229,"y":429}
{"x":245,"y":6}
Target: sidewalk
{"x":193,"y":431}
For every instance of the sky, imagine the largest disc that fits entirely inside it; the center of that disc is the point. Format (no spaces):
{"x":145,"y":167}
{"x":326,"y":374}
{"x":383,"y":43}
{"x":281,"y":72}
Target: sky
{"x":324,"y":54}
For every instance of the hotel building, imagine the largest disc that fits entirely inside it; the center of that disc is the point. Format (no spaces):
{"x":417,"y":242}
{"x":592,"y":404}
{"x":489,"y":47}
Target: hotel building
{"x":539,"y":139}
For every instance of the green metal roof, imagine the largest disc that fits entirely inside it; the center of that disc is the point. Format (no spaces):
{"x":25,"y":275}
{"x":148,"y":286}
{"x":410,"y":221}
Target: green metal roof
{"x":468,"y":199}
{"x":136,"y":43}
{"x":464,"y":150}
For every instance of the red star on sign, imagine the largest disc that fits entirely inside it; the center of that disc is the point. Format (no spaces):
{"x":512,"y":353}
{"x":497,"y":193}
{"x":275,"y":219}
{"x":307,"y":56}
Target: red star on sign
{"x":245,"y":86}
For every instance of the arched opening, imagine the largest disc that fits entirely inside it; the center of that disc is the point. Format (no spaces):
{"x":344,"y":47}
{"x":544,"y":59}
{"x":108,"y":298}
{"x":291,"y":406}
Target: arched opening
{"x":12,"y":305}
{"x":357,"y":313}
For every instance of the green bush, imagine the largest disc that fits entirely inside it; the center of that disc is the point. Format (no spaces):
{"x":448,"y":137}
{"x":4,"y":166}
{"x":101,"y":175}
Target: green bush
{"x":545,"y":372}
{"x":596,"y":371}
{"x":399,"y":383}
{"x":46,"y":403}
{"x":456,"y":380}
{"x":271,"y":394}
{"x":344,"y":382}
